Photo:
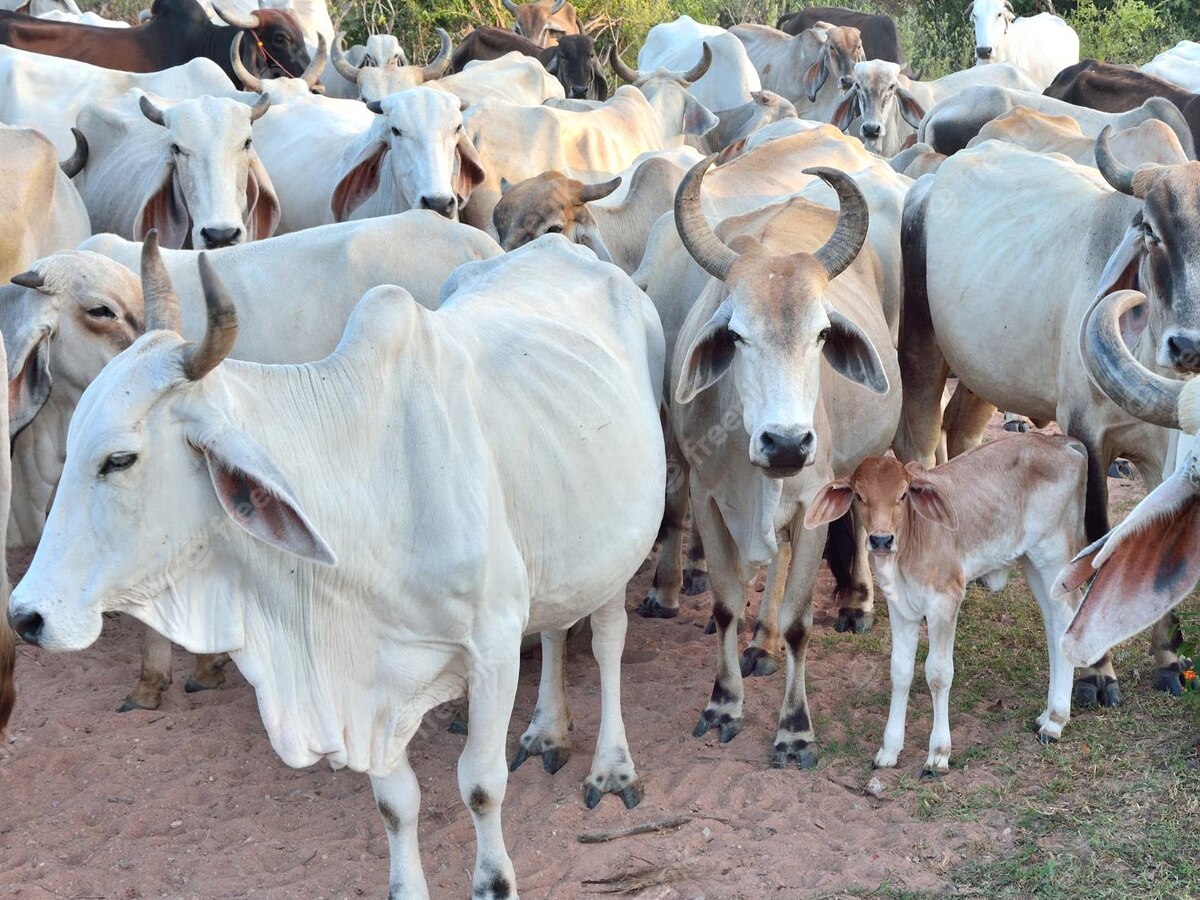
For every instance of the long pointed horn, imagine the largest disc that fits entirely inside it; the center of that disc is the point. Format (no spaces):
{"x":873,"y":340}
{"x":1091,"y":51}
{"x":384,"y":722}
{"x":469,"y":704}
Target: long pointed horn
{"x":1123,"y":178}
{"x":260,"y":107}
{"x":626,"y":74}
{"x":708,"y":250}
{"x":249,"y":22}
{"x":1129,"y":384}
{"x":249,"y":80}
{"x":558,"y":4}
{"x":158,"y":294}
{"x":510,"y":6}
{"x":221,"y":330}
{"x":437,"y":66}
{"x":316,"y":66}
{"x":696,"y":72}
{"x":73,"y":164}
{"x":592,"y":192}
{"x":151,"y":112}
{"x":343,"y":65}
{"x":853,"y":218}
{"x":30,"y":279}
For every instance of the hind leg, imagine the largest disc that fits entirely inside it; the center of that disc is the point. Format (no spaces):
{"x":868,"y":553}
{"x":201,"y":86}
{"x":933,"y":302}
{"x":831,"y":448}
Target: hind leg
{"x":549,"y":731}
{"x":208,"y":673}
{"x":155,"y":676}
{"x":662,"y":602}
{"x":612,"y":766}
{"x":966,"y":419}
{"x":1056,"y":616}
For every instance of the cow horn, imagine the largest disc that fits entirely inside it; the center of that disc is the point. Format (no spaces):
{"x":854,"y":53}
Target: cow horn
{"x":510,"y":6}
{"x":632,"y":76}
{"x":708,"y":250}
{"x":31,"y":279}
{"x":696,"y":72}
{"x":970,"y":9}
{"x":1120,"y":176}
{"x":230,"y":18}
{"x":260,"y":107}
{"x":343,"y":65}
{"x":853,"y":218}
{"x":248,"y":79}
{"x":73,"y":164}
{"x":376,"y":107}
{"x":158,"y":294}
{"x":316,"y":66}
{"x":592,"y":192}
{"x":437,"y":66}
{"x":1129,"y":384}
{"x":221,"y":331}
{"x":558,"y":4}
{"x":151,"y":112}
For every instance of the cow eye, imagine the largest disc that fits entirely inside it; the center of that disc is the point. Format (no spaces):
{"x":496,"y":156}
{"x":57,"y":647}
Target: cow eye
{"x":118,"y":461}
{"x":735,"y":337}
{"x":101,"y":312}
{"x":395,"y":131}
{"x":554,"y":229}
{"x":824,"y":335}
{"x":246,"y":146}
{"x":175,"y":148}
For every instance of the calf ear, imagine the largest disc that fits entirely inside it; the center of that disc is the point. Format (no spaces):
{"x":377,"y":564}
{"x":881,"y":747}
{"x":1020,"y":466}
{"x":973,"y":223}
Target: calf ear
{"x":262,"y":205}
{"x":847,"y":110}
{"x":927,"y":500}
{"x":816,"y":76}
{"x":255,"y":495}
{"x":709,"y":356}
{"x":29,"y":388}
{"x":468,"y":170}
{"x":852,"y":355}
{"x":165,"y":209}
{"x":358,"y":184}
{"x":911,"y":111}
{"x":831,"y":503}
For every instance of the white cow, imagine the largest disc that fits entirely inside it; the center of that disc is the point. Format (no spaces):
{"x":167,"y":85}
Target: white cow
{"x":264,"y":552}
{"x":676,"y":46}
{"x":1042,"y":45}
{"x":1180,"y":64}
{"x":41,"y":7}
{"x":374,"y":80}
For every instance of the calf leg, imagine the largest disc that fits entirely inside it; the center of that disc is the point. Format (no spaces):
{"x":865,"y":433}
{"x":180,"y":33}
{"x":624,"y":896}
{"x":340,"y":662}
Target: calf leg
{"x":208,"y":673}
{"x":548,"y":734}
{"x":398,"y":797}
{"x":156,"y":673}
{"x":662,"y":602}
{"x":942,"y":617}
{"x":1057,"y":613}
{"x":905,"y":637}
{"x":612,"y":766}
{"x":853,"y":592}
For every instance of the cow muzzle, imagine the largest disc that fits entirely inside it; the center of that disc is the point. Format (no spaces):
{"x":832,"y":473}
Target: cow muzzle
{"x":872,"y":130}
{"x":983,"y":52}
{"x":442,"y":204}
{"x":28,"y":625}
{"x":881,"y":544}
{"x":578,"y":92}
{"x":782,"y":452}
{"x":1180,"y":350}
{"x":215,"y":238}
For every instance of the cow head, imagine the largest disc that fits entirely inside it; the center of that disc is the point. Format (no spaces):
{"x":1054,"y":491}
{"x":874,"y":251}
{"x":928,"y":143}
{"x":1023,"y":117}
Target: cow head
{"x":888,"y":497}
{"x":282,"y":89}
{"x":545,"y":22}
{"x":774,"y":326}
{"x":153,"y":449}
{"x":991,"y":19}
{"x":278,"y":48}
{"x":668,"y":92}
{"x":208,"y":175}
{"x":62,"y":321}
{"x":417,"y":148}
{"x":840,"y":49}
{"x":877,"y":92}
{"x":550,"y":203}
{"x":574,"y":63}
{"x":375,"y":82}
{"x":384,"y":50}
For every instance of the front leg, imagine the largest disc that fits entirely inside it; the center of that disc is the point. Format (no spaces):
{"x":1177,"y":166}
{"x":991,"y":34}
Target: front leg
{"x":1057,"y":613}
{"x":766,"y":647}
{"x":612,"y":766}
{"x":906,"y":634}
{"x":398,"y":798}
{"x":155,"y":676}
{"x":853,"y":593}
{"x":549,"y":731}
{"x":662,"y":602}
{"x":942,"y":617}
{"x":1165,"y":640}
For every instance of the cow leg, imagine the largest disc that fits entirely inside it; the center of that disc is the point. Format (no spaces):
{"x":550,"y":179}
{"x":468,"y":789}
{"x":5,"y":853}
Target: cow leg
{"x":795,"y":740}
{"x":398,"y":798}
{"x":156,"y":673}
{"x":906,"y":634}
{"x":1017,"y":424}
{"x":662,"y":602}
{"x":695,"y":575}
{"x":766,"y":647}
{"x":966,"y":419}
{"x":208,"y":673}
{"x":1056,"y":616}
{"x":853,"y":592}
{"x":1165,"y":640}
{"x":942,"y":619}
{"x":612,"y":766}
{"x":548,"y":734}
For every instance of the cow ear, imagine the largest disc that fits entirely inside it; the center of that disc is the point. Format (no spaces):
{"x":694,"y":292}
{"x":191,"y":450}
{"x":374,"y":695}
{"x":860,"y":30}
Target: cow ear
{"x":599,"y":82}
{"x":468,"y":170}
{"x":709,"y":357}
{"x":165,"y":209}
{"x":262,"y":205}
{"x":588,"y":235}
{"x":928,"y":501}
{"x":846,"y":111}
{"x":697,"y":118}
{"x":816,"y":76}
{"x":358,"y":184}
{"x":910,"y":109}
{"x":29,"y":388}
{"x":851,"y":354}
{"x":255,"y":495}
{"x":831,"y":503}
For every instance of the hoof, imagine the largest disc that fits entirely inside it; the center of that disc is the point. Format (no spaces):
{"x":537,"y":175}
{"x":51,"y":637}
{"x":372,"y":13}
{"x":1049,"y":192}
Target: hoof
{"x":931,"y":773}
{"x":757,"y":662}
{"x":458,"y":725}
{"x":141,"y":699}
{"x":1167,"y":680}
{"x":193,"y":686}
{"x":1018,"y":426}
{"x":729,"y":725}
{"x":652,"y":608}
{"x":630,"y":796}
{"x":855,"y":620}
{"x":695,"y":581}
{"x":624,"y":784}
{"x":1043,"y":738}
{"x":802,"y":754}
{"x":1094,"y":691}
{"x":1121,"y":468}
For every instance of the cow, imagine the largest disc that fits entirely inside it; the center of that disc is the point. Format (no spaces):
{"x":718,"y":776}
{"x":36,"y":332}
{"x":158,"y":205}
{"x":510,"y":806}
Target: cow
{"x":544,"y":22}
{"x":730,"y":81}
{"x":1113,"y":228}
{"x":514,"y":77}
{"x":8,"y":648}
{"x":263,"y":546}
{"x":931,"y":532}
{"x":41,"y":7}
{"x":1043,"y":45}
{"x":764,"y":108}
{"x":811,"y":69}
{"x":951,"y":124}
{"x":1179,"y":65}
{"x":177,"y":32}
{"x":572,"y":60}
{"x":880,"y":37}
{"x":87,"y":18}
{"x":374,"y":82}
{"x":891,"y":105}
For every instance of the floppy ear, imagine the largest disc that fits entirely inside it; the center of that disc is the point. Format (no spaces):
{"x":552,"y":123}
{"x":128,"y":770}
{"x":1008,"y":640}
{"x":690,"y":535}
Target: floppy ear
{"x":831,"y":503}
{"x":588,"y":235}
{"x":1121,"y":273}
{"x":468,"y":170}
{"x":262,"y":205}
{"x":927,"y":500}
{"x":709,"y":356}
{"x":852,"y":355}
{"x":255,"y":495}
{"x":599,"y":82}
{"x":911,"y":111}
{"x":847,"y":110}
{"x":697,"y":118}
{"x":29,"y":388}
{"x":358,"y":184}
{"x":733,"y":151}
{"x":165,"y":209}
{"x":816,"y":76}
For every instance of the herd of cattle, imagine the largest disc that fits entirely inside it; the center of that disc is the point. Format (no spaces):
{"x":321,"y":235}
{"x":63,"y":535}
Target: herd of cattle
{"x":360,"y":370}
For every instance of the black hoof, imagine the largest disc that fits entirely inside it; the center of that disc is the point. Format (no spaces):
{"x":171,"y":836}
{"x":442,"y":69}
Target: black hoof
{"x":728,"y":724}
{"x":695,"y":581}
{"x":650,"y":608}
{"x":757,"y":662}
{"x":711,"y":627}
{"x":801,"y":754}
{"x":931,"y":773}
{"x":1167,"y":680}
{"x":458,"y":725}
{"x":1110,"y":694}
{"x":855,"y":620}
{"x":1121,"y":468}
{"x":1018,"y":426}
{"x":592,"y":797}
{"x":519,"y":759}
{"x":631,"y":796}
{"x":1086,"y":693}
{"x":555,"y":758}
{"x":1042,"y":738}
{"x":127,"y":706}
{"x":193,"y":687}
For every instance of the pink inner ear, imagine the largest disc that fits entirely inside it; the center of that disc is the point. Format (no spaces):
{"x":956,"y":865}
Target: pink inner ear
{"x":262,"y":208}
{"x":166,"y":210}
{"x":264,"y":515}
{"x":359,"y":183}
{"x":831,"y":503}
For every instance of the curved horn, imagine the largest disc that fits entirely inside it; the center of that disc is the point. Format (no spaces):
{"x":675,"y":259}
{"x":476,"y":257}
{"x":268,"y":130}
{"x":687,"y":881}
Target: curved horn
{"x":708,"y":250}
{"x":343,"y":66}
{"x":437,"y":66}
{"x":592,"y":192}
{"x":221,"y":330}
{"x":558,"y":4}
{"x":696,"y":72}
{"x":632,"y":76}
{"x":853,"y":217}
{"x":30,"y":279}
{"x":158,"y":294}
{"x":251,"y":81}
{"x":249,"y":22}
{"x":1120,"y":176}
{"x":151,"y":112}
{"x":316,"y":66}
{"x":1129,"y":384}
{"x":260,"y":107}
{"x":73,"y":164}
{"x":510,"y":6}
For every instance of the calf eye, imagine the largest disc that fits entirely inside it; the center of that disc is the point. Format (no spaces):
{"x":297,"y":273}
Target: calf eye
{"x":101,"y":312}
{"x":118,"y":461}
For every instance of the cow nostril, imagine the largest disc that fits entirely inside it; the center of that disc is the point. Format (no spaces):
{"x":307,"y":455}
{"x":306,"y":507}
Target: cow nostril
{"x":871,"y":131}
{"x":1184,"y":352}
{"x":215,"y":238}
{"x":442,"y":205}
{"x":879,"y":542}
{"x":846,"y":83}
{"x":28,"y":626}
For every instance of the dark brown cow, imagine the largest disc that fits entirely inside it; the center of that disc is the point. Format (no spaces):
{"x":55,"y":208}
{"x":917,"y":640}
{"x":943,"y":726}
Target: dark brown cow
{"x":544,"y":22}
{"x":880,"y":39}
{"x":572,"y":60}
{"x":178,"y":31}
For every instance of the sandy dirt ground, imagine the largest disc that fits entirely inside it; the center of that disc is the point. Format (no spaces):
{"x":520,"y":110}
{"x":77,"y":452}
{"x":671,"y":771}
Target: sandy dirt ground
{"x":190,"y":801}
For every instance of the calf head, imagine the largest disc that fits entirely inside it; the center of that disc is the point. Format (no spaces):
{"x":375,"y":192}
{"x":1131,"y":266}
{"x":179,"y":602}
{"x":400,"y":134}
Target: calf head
{"x":550,"y":203}
{"x":375,"y":82}
{"x":545,"y":22}
{"x":574,"y":63}
{"x":431,"y":164}
{"x":669,"y":93}
{"x":278,"y":49}
{"x":208,"y":175}
{"x":774,"y":326}
{"x":155,"y":463}
{"x":875,"y":93}
{"x":990,"y":19}
{"x":885,"y":494}
{"x":840,"y":50}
